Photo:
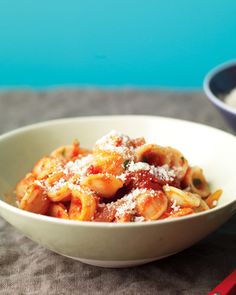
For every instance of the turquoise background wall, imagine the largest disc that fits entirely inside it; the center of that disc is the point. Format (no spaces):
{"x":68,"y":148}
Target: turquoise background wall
{"x":114,"y":43}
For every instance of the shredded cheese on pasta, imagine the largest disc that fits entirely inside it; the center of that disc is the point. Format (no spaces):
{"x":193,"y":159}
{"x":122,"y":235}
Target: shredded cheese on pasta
{"x":110,"y":184}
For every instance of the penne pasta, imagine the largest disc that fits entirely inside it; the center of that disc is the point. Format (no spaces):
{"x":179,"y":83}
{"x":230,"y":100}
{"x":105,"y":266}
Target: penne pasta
{"x":213,"y":199}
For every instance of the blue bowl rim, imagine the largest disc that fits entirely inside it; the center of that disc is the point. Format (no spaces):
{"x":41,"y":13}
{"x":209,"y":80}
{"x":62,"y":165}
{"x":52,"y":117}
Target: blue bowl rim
{"x":206,"y":86}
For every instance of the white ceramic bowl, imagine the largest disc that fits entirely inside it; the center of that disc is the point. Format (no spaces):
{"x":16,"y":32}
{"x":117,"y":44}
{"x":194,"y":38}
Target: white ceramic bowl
{"x":119,"y":245}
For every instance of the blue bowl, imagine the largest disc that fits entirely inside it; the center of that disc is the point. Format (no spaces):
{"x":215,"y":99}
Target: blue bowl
{"x":217,"y":84}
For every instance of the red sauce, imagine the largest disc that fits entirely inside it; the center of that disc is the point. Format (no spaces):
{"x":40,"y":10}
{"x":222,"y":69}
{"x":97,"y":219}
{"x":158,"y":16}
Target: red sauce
{"x":175,"y":182}
{"x":118,"y":142}
{"x":105,"y":214}
{"x":93,"y":170}
{"x":59,"y":214}
{"x":76,"y":149}
{"x":165,"y":215}
{"x":142,"y":179}
{"x":138,"y":142}
{"x":77,"y":202}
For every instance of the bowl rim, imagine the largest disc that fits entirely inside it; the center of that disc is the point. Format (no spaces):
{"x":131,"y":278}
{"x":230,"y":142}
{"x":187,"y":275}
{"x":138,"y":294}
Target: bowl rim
{"x":45,"y":218}
{"x":206,"y":86}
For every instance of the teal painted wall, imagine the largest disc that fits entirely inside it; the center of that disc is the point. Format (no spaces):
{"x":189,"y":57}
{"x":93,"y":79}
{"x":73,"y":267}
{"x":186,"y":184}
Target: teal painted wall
{"x":104,"y":42}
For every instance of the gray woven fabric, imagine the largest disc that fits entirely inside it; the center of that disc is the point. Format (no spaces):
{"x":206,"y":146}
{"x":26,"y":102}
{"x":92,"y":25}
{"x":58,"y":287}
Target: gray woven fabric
{"x":27,"y":268}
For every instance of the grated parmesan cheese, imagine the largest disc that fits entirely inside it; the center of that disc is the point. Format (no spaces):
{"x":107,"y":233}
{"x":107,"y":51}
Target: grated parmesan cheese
{"x":161,"y":172}
{"x":79,"y":166}
{"x":215,"y":203}
{"x":138,"y":166}
{"x":109,"y":143}
{"x":77,"y":187}
{"x":112,"y":136}
{"x":174,"y":206}
{"x":57,"y":185}
{"x":128,"y":207}
{"x":40,"y":183}
{"x":127,"y":204}
{"x":167,"y":188}
{"x":139,"y":219}
{"x":122,"y":177}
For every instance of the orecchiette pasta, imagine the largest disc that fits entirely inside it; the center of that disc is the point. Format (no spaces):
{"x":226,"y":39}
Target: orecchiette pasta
{"x":23,"y":184}
{"x":35,"y":200}
{"x":60,"y":194}
{"x":108,"y":162}
{"x":196,"y":181}
{"x":202,"y":207}
{"x":151,"y":204}
{"x":105,"y":185}
{"x":181,"y":212}
{"x":58,"y":210}
{"x":44,"y":167}
{"x":119,"y":180}
{"x":158,"y":156}
{"x":83,"y":205}
{"x":70,"y":152}
{"x":58,"y":188}
{"x":182,"y":198}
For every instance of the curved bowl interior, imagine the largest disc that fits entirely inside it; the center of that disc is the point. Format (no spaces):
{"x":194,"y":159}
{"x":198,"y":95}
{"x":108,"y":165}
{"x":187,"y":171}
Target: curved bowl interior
{"x":217,"y":84}
{"x":223,"y":81}
{"x":211,"y":149}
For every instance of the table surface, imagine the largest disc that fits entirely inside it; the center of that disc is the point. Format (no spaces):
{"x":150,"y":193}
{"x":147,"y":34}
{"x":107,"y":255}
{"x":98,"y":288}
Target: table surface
{"x":27,"y":268}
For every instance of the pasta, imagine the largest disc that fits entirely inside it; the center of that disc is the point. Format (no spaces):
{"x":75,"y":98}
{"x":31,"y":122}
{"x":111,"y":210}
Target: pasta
{"x":58,"y":210}
{"x":120,"y":180}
